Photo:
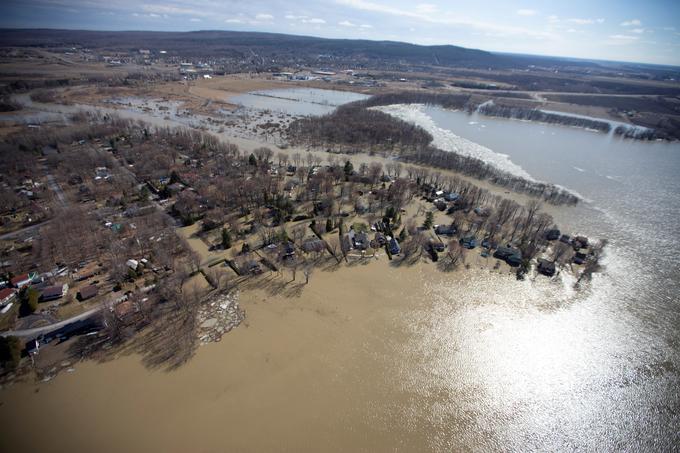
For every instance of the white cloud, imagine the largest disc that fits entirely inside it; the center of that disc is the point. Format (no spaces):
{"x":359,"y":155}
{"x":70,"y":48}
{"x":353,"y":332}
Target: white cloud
{"x":553,"y":19}
{"x":234,"y":21}
{"x":165,"y":10}
{"x":446,"y":19}
{"x":630,"y":23}
{"x":365,"y":26}
{"x":194,"y":19}
{"x":294,"y":17}
{"x":526,"y":12}
{"x":638,"y":30}
{"x":346,"y":23}
{"x":582,"y":21}
{"x":426,"y":8}
{"x":624,"y":37}
{"x":264,"y":17}
{"x":314,"y":20}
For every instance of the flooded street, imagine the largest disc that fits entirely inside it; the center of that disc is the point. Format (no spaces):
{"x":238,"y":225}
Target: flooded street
{"x":372,"y":357}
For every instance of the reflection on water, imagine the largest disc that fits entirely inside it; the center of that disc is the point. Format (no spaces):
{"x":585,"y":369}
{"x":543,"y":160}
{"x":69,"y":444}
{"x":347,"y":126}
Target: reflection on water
{"x":530,"y":365}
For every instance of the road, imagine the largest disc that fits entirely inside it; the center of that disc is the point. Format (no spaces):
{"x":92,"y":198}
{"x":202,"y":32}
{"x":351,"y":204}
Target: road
{"x":37,"y":331}
{"x":56,"y":189}
{"x":28,"y":229}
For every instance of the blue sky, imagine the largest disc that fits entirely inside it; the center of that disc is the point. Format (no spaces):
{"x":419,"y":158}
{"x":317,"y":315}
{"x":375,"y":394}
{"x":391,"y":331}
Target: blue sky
{"x":625,"y":30}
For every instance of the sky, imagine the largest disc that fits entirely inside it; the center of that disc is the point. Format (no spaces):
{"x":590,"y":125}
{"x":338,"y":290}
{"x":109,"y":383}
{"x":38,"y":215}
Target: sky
{"x":622,"y":30}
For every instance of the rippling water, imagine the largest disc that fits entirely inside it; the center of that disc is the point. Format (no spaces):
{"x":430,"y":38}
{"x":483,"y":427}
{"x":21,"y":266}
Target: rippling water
{"x":535,"y":365}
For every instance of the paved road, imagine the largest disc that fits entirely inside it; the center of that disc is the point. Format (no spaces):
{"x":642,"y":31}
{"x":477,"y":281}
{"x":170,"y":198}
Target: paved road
{"x":28,"y":229}
{"x":56,"y":189}
{"x":37,"y":331}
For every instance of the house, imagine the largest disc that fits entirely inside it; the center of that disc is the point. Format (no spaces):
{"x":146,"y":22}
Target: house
{"x":24,"y":279}
{"x":313,"y":245}
{"x":288,"y":250}
{"x":510,"y":255}
{"x":579,"y":258}
{"x":565,"y":238}
{"x":445,"y":230}
{"x":252,"y":267}
{"x":132,"y":264}
{"x":380,"y":239}
{"x":87,"y":292}
{"x":469,"y":242}
{"x":394,"y":246}
{"x":489,"y":243}
{"x":7,"y":295}
{"x":546,"y":267}
{"x":102,"y":173}
{"x":552,"y":235}
{"x":361,"y":240}
{"x":438,"y":246}
{"x":49,"y":150}
{"x":53,"y":292}
{"x":451,"y":196}
{"x":579,"y":242}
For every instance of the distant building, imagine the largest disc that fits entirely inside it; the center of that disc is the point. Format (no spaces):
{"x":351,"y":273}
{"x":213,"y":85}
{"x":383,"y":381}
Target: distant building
{"x":7,"y":295}
{"x":546,"y":267}
{"x":445,"y":230}
{"x":510,"y":255}
{"x":469,"y":242}
{"x":87,"y":292}
{"x":24,"y":279}
{"x":552,"y":235}
{"x":53,"y":293}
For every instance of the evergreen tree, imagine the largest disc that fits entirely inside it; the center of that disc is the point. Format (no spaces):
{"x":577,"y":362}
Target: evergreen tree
{"x":226,"y":239}
{"x":429,"y":220}
{"x":252,"y":160}
{"x":349,"y":168}
{"x":329,"y":225}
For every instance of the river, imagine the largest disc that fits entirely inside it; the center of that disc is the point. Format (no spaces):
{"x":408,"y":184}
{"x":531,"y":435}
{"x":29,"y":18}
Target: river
{"x":373,"y":358}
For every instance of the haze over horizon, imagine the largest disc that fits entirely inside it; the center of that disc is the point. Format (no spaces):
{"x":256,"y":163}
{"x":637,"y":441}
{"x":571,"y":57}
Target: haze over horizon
{"x":607,"y":30}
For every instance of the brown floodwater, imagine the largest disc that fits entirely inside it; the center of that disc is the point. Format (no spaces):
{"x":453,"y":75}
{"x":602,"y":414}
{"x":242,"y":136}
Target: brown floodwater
{"x":374,"y":358}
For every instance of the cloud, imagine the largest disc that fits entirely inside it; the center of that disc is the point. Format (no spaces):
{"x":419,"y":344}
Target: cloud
{"x":446,"y":19}
{"x":294,"y":17}
{"x":234,"y":21}
{"x":346,"y":23}
{"x":630,"y":23}
{"x":638,"y":30}
{"x":194,"y":19}
{"x":365,"y":26}
{"x":578,"y":21}
{"x":264,"y":17}
{"x":426,"y":8}
{"x":624,"y":37}
{"x":175,"y":10}
{"x":526,"y":12}
{"x":314,"y":20}
{"x":553,"y":19}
